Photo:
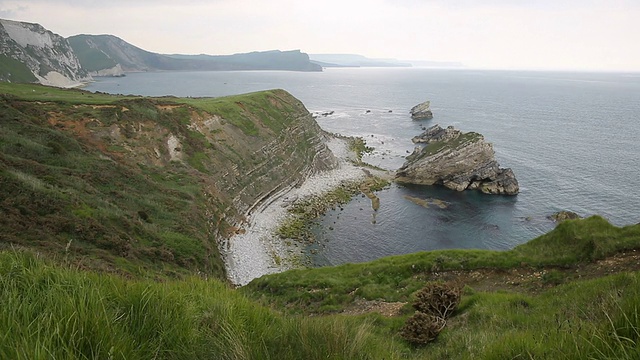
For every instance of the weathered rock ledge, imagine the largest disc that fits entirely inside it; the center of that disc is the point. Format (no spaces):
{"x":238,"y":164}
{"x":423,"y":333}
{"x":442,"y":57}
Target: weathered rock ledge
{"x":421,"y":111}
{"x":563,"y":215}
{"x":457,"y":160}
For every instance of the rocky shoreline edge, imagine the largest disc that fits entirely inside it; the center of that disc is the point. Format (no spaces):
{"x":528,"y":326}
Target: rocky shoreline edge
{"x":259,"y":250}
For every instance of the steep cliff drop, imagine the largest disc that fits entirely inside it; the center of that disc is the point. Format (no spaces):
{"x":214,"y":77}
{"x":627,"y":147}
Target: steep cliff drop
{"x":35,"y":54}
{"x":457,"y":160}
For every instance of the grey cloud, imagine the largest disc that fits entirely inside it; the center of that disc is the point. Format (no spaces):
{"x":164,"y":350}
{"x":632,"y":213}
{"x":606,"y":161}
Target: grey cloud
{"x":10,"y":11}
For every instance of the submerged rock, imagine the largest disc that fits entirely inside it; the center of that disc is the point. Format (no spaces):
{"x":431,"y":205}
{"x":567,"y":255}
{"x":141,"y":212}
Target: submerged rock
{"x":422,"y":111}
{"x":561,"y":216}
{"x":457,"y":160}
{"x":427,"y":202}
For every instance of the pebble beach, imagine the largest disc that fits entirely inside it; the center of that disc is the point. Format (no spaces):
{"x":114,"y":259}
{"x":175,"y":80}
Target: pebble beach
{"x":258,"y":251}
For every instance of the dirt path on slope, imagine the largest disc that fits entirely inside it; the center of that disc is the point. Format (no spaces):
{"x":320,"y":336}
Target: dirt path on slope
{"x":530,"y":280}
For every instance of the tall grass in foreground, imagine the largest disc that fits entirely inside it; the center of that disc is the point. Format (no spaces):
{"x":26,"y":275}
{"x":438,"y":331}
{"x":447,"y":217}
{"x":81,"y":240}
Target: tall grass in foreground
{"x":50,"y":312}
{"x":594,"y":319}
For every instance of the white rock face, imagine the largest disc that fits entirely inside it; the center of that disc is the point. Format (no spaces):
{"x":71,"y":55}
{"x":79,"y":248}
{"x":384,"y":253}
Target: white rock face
{"x":25,"y":36}
{"x":175,"y":148}
{"x":47,"y":55}
{"x":54,"y":78}
{"x":114,"y":71}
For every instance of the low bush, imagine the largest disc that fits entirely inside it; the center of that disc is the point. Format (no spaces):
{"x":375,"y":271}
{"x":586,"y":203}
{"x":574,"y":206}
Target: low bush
{"x":433,"y":304}
{"x":422,"y":328}
{"x":438,"y":299}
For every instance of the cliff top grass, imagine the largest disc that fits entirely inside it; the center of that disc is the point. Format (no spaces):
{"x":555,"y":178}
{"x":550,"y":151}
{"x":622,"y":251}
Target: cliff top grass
{"x":449,"y":144}
{"x":273,"y":109}
{"x":33,"y":92}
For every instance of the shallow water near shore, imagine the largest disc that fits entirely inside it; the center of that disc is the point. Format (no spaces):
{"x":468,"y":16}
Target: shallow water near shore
{"x":571,"y":139}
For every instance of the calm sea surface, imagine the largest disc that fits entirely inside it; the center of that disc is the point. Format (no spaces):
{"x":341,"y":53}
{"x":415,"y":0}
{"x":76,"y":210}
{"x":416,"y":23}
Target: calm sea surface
{"x":572,"y":139}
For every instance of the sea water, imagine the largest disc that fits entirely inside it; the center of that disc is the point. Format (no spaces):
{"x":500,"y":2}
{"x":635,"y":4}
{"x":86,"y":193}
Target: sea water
{"x":570,"y":138}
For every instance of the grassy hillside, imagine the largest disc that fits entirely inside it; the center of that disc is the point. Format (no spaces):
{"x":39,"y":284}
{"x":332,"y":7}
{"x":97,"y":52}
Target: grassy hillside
{"x":111,"y":208}
{"x":136,"y":185}
{"x":551,"y":298}
{"x":53,"y":312}
{"x":91,"y":58}
{"x":57,"y":311}
{"x":12,"y":70}
{"x":396,"y":278}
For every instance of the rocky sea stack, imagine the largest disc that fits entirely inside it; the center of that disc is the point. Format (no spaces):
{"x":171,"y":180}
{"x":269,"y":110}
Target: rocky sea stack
{"x":422,"y":111}
{"x":457,"y":160}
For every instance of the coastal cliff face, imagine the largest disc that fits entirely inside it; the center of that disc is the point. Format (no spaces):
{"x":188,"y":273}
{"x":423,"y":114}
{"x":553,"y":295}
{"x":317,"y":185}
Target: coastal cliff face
{"x":146,"y":182}
{"x":457,"y":160}
{"x":99,"y":54}
{"x":30,"y":53}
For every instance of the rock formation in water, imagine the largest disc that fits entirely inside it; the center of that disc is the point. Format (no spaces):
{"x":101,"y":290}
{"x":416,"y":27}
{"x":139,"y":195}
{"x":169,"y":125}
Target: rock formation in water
{"x":563,"y":215}
{"x":457,"y":160}
{"x":422,"y":111}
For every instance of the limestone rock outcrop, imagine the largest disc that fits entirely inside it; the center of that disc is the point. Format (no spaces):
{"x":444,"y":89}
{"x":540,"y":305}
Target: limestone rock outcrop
{"x":436,"y":133}
{"x":115,"y":71}
{"x":35,"y":54}
{"x":457,"y":160}
{"x":422,"y":111}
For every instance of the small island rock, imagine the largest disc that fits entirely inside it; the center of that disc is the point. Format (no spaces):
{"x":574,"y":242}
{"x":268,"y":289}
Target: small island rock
{"x":563,"y":215}
{"x":457,"y":160}
{"x":422,"y":111}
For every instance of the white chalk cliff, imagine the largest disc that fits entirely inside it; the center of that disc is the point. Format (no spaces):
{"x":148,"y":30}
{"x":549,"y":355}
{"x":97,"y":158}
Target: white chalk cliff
{"x":46,"y":55}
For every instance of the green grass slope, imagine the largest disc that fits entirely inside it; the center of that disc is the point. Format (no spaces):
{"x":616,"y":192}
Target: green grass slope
{"x":91,"y":177}
{"x":53,"y":312}
{"x":91,"y":57}
{"x":396,"y":278}
{"x":97,"y":221}
{"x":56,"y":311}
{"x":12,"y":70}
{"x":550,"y":314}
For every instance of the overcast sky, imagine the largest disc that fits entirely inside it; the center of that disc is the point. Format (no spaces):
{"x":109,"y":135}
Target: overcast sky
{"x":516,"y":34}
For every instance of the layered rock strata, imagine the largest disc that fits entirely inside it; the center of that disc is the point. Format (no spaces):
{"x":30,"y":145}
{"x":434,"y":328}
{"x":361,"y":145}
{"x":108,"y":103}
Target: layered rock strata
{"x":457,"y":160}
{"x":421,"y":111}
